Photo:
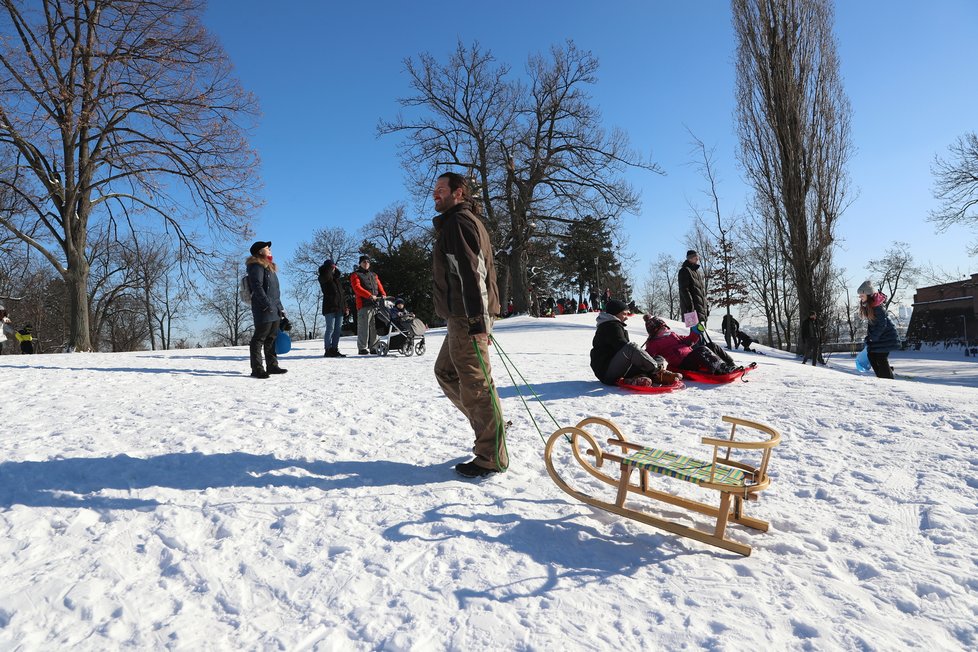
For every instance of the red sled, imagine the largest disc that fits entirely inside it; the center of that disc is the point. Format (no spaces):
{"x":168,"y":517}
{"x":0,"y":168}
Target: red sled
{"x":717,"y":379}
{"x":654,"y":389}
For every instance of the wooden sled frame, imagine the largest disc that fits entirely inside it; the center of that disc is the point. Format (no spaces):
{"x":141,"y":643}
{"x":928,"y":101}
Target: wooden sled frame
{"x":733,"y":494}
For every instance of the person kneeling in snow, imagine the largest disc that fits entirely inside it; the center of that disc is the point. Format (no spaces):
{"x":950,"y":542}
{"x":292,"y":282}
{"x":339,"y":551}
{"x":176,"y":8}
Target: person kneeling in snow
{"x":613,"y":356}
{"x":682,"y":351}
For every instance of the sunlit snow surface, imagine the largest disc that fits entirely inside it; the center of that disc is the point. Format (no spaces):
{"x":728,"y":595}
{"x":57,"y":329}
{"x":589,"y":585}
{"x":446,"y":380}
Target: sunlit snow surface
{"x":168,"y":500}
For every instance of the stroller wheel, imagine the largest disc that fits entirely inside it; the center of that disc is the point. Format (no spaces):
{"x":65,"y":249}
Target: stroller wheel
{"x":419,"y":348}
{"x":408,"y":348}
{"x":381,"y":348}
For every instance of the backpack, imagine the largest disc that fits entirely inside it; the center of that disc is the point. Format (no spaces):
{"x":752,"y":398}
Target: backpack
{"x":244,"y":292}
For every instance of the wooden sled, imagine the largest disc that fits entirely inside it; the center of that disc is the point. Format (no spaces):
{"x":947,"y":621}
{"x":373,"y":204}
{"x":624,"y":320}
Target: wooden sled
{"x":735,"y":481}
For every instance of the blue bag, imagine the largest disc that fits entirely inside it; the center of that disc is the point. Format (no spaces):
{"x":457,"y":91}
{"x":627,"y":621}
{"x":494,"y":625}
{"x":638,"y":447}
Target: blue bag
{"x":283,"y":343}
{"x":862,"y":361}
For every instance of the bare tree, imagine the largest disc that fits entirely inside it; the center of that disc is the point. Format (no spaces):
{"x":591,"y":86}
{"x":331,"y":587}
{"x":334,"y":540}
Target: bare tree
{"x":794,"y":128}
{"x":306,"y":308}
{"x":335,"y":244}
{"x":391,"y":227}
{"x":537,"y":153}
{"x":725,"y":287}
{"x":767,"y":278}
{"x":115,"y":110}
{"x":894,"y":271}
{"x":234,"y":319}
{"x":956,"y":185}
{"x":848,"y":308}
{"x":661,"y":289}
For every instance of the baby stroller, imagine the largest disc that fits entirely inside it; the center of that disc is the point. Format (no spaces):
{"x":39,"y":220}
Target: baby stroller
{"x":405,"y":335}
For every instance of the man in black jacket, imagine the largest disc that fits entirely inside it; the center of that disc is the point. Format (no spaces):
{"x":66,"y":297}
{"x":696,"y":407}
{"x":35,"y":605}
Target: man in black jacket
{"x":334,"y":307}
{"x":692,"y":288}
{"x":613,"y":356}
{"x":730,"y":327}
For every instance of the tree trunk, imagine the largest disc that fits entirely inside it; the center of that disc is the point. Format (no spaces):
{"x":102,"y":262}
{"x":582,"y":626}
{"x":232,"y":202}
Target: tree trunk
{"x":76,"y":281}
{"x":519,"y":283}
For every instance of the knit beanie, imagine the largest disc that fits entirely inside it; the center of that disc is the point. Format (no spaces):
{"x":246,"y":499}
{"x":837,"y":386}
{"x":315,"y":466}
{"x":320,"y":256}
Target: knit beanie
{"x":653,"y":324}
{"x":614,"y":306}
{"x":866,"y":288}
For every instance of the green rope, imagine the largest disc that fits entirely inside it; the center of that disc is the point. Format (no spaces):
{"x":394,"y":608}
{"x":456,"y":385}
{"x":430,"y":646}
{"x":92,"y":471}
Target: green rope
{"x":510,"y":367}
{"x":496,"y":411}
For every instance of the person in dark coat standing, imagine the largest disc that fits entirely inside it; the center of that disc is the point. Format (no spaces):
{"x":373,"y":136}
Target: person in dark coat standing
{"x":266,"y":309}
{"x":466,"y":296}
{"x":730,"y":326}
{"x":692,"y":287}
{"x":614,"y":356}
{"x":810,"y":343}
{"x":881,"y":335}
{"x":334,"y":306}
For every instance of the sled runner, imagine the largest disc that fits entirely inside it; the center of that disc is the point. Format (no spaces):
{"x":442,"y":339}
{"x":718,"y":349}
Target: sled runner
{"x":655,"y":389}
{"x":735,"y":481}
{"x":718,"y":379}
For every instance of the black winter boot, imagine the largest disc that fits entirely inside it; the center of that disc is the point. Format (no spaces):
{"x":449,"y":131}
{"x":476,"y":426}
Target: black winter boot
{"x":271,"y":358}
{"x":257,"y":369}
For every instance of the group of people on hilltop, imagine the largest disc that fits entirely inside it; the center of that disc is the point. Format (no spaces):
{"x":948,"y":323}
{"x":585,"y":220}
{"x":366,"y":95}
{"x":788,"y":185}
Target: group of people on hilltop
{"x":465,"y":296}
{"x":24,"y":337}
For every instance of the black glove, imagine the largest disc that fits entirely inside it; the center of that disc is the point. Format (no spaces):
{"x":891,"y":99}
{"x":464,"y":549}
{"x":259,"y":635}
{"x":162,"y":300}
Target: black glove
{"x":286,"y":325}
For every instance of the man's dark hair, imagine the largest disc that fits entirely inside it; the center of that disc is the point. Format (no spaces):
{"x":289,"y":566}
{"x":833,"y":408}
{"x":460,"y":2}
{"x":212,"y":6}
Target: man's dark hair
{"x":456,"y":181}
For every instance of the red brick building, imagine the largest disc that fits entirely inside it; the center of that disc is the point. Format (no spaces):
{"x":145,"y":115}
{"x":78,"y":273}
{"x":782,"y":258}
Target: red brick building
{"x":945,"y":312}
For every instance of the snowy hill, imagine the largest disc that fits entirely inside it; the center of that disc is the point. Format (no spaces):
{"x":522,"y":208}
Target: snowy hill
{"x":167,"y":500}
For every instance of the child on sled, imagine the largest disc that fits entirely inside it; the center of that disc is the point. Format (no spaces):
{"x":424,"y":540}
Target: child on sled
{"x":682,"y":352}
{"x":614,"y":357}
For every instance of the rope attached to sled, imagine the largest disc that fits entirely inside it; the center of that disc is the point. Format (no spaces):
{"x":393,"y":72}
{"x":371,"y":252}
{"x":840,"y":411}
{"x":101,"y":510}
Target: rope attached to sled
{"x":510,"y":368}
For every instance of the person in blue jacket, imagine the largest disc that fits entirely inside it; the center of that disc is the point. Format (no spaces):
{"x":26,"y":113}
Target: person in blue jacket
{"x":266,"y":309}
{"x":881,"y":335}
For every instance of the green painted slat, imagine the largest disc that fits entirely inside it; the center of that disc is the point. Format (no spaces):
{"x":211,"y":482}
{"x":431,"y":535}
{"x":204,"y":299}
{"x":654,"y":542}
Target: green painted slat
{"x":683,"y":467}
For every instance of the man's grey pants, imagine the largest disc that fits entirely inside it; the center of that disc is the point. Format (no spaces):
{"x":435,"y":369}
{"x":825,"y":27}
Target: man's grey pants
{"x":366,"y":328}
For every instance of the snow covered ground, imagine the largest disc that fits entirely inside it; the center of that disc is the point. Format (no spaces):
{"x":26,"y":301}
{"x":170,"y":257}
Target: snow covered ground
{"x":166,"y":500}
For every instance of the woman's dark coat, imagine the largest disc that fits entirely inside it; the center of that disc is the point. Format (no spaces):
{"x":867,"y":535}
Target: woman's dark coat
{"x":334,"y":298}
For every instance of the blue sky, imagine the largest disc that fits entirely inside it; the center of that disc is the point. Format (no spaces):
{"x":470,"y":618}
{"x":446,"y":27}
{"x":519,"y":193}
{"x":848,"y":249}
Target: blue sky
{"x":326,"y":72}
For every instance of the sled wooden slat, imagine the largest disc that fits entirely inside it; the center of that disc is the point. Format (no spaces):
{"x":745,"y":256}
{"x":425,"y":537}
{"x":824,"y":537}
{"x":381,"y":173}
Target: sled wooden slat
{"x":737,"y":481}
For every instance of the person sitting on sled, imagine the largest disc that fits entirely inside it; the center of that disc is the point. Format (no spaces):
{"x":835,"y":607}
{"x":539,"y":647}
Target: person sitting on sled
{"x":682,"y":351}
{"x":614,"y":357}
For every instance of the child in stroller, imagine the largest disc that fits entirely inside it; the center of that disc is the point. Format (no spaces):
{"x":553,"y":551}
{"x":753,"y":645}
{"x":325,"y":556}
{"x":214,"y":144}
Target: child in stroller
{"x":399,"y":330}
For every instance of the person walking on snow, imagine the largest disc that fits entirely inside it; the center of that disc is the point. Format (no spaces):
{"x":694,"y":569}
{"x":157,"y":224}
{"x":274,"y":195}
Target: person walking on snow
{"x":7,"y":331}
{"x":881,"y":335}
{"x":368,"y":290}
{"x":334,"y":305}
{"x":809,"y":339}
{"x":466,"y":297}
{"x":730,"y":326}
{"x":692,"y":288}
{"x":266,"y":309}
